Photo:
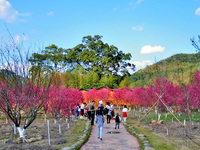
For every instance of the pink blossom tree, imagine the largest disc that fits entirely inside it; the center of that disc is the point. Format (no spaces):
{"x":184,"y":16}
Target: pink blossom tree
{"x":22,"y":94}
{"x":62,"y":100}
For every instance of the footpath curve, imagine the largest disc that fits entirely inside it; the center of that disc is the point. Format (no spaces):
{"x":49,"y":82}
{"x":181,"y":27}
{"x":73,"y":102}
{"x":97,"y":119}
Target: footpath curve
{"x":112,"y":139}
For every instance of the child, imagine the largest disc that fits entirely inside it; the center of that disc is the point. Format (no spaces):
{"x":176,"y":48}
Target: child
{"x":99,"y":119}
{"x":124,"y":113}
{"x":117,"y":121}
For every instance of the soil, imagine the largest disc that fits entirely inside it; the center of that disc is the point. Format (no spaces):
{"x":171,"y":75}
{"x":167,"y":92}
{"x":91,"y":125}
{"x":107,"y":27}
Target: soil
{"x":184,"y":137}
{"x":38,"y":130}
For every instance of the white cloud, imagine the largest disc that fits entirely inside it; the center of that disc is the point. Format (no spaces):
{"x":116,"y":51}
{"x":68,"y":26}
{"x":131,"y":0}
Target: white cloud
{"x":18,"y":68}
{"x":141,"y":64}
{"x":51,"y":13}
{"x":116,"y":8}
{"x":19,"y":39}
{"x":138,"y":28}
{"x":148,"y":49}
{"x":136,"y":4}
{"x":139,"y":2}
{"x":7,"y":12}
{"x":197,"y":12}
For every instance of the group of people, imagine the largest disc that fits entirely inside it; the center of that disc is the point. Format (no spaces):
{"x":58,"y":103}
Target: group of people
{"x":88,"y":110}
{"x":99,"y":119}
{"x":85,"y":110}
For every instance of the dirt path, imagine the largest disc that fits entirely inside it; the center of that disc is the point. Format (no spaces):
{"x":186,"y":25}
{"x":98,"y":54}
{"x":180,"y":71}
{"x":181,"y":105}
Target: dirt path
{"x":111,"y":140}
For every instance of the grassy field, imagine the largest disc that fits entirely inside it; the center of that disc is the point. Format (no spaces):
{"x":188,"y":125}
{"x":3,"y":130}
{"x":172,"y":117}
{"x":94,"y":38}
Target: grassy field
{"x":155,"y":141}
{"x":74,"y":133}
{"x":39,"y":127}
{"x":156,"y":134}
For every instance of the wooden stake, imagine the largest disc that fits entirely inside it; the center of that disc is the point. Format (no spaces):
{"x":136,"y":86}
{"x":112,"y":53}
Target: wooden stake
{"x":48,"y":132}
{"x":152,"y":107}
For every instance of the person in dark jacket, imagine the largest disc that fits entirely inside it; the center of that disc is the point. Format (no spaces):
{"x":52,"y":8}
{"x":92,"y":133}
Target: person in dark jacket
{"x":92,"y":108}
{"x":117,"y":121}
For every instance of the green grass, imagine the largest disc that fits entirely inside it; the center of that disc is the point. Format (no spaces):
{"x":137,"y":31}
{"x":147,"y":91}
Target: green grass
{"x":86,"y":138}
{"x":155,"y":141}
{"x":3,"y":116}
{"x":74,"y":134}
{"x":9,"y":137}
{"x":130,"y":131}
{"x":195,"y":116}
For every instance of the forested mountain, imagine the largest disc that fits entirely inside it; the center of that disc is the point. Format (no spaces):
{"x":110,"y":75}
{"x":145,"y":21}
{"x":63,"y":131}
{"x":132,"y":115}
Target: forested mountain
{"x":9,"y":75}
{"x":178,"y":68}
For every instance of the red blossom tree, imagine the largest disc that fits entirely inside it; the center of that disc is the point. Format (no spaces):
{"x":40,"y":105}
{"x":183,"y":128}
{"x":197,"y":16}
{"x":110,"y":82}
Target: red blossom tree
{"x":62,"y":100}
{"x":22,"y":94}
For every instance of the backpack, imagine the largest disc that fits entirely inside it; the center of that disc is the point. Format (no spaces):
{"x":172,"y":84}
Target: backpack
{"x":117,"y":120}
{"x":105,"y":111}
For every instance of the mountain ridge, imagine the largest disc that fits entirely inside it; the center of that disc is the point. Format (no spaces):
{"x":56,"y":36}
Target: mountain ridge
{"x":178,"y":68}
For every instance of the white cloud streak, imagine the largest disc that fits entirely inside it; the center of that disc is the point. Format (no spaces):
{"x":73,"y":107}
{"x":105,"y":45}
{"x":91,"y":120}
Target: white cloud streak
{"x":19,"y":39}
{"x":148,"y":49}
{"x":139,"y":2}
{"x":141,"y":64}
{"x":197,"y":12}
{"x":9,"y":14}
{"x":138,"y":28}
{"x":116,"y":8}
{"x":18,"y":68}
{"x":51,"y":13}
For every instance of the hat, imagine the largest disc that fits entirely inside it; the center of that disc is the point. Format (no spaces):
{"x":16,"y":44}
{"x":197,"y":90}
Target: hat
{"x":100,"y":102}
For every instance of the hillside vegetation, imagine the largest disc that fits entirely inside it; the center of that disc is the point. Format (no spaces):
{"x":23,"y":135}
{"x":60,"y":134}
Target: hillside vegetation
{"x":178,"y":68}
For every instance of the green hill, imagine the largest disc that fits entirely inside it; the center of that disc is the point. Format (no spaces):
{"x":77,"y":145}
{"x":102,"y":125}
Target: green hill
{"x":10,"y":76}
{"x":178,"y":68}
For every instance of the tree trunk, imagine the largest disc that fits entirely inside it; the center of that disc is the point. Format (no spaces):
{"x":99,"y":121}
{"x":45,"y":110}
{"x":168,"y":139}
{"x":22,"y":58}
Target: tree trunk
{"x":22,"y":132}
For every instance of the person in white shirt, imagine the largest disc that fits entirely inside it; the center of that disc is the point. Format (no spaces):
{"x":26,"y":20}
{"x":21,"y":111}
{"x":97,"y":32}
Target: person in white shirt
{"x":124,"y":113}
{"x":82,"y":109}
{"x":109,"y":112}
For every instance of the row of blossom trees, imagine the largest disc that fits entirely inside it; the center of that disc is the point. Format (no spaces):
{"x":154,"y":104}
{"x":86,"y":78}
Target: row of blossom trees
{"x":184,"y":98}
{"x":24,"y":98}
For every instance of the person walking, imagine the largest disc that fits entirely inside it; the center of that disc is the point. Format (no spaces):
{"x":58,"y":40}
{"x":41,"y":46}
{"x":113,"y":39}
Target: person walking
{"x":117,"y":121}
{"x":113,"y":110}
{"x":109,"y":112}
{"x":101,"y":105}
{"x":85,"y":109}
{"x":92,"y":108}
{"x":124,"y":113}
{"x":99,"y":119}
{"x":76,"y":110}
{"x":82,"y":109}
{"x":89,"y":110}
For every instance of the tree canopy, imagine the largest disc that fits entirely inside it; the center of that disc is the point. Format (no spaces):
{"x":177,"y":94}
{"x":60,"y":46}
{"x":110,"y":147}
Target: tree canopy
{"x":92,"y":55}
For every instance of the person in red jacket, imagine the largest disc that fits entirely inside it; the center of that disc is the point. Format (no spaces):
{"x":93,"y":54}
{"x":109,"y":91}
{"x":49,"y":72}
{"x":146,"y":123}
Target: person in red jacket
{"x":124,"y":113}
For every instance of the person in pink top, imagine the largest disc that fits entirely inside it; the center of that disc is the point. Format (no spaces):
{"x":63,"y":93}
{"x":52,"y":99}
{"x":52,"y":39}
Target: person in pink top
{"x":124,"y":113}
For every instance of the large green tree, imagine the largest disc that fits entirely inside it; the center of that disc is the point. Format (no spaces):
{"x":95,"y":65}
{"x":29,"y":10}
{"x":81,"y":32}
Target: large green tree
{"x":95,"y":55}
{"x":95,"y":59}
{"x":92,"y":54}
{"x":52,"y":56}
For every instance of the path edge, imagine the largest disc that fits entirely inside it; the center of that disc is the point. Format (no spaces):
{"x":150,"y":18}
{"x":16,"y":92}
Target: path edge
{"x":83,"y":139}
{"x":142,"y":139}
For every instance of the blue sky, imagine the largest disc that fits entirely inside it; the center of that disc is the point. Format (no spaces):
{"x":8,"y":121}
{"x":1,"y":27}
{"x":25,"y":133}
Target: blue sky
{"x":151,"y":30}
